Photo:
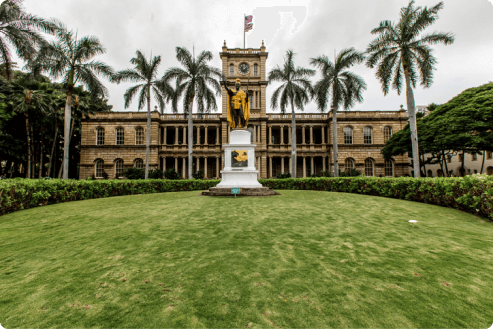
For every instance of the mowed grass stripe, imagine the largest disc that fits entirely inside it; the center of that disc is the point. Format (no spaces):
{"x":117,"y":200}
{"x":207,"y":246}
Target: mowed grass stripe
{"x":301,"y":259}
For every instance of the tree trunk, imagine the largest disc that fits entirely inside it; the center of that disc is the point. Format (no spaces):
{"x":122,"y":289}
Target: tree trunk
{"x":446,"y":166}
{"x":190,"y":140}
{"x":424,"y":165}
{"x":66,"y":133}
{"x":411,"y":110}
{"x":33,"y":153}
{"x":482,"y":165}
{"x":41,"y":149}
{"x":334,"y":141}
{"x":463,"y":170}
{"x":53,"y":149}
{"x":28,"y":146}
{"x":148,"y":135}
{"x":8,"y":169}
{"x":69,"y":139}
{"x":293,"y":141}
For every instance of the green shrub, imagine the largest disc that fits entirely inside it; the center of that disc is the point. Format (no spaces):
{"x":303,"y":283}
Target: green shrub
{"x":283,"y":176}
{"x":351,"y":172}
{"x":171,"y":174}
{"x":325,"y":173}
{"x":198,"y":174}
{"x":155,"y":174}
{"x":134,"y":173}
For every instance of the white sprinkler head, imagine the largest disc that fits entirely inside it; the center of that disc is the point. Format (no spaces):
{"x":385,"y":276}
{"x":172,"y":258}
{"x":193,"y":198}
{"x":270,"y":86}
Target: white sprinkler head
{"x":413,"y":221}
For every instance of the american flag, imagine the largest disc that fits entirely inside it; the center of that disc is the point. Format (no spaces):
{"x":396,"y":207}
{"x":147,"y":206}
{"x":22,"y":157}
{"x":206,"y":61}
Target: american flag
{"x":248,"y":23}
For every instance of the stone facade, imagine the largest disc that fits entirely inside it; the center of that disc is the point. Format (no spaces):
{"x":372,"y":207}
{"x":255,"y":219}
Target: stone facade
{"x":270,"y":132}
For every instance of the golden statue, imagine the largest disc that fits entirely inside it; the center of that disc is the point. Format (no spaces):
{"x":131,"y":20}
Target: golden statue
{"x":238,"y":106}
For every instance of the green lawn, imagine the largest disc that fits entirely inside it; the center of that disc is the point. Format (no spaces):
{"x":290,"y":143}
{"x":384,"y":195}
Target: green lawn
{"x":301,"y":259}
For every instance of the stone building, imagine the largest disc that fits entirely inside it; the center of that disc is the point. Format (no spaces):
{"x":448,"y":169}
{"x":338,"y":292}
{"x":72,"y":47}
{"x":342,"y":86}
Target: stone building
{"x":114,"y":141}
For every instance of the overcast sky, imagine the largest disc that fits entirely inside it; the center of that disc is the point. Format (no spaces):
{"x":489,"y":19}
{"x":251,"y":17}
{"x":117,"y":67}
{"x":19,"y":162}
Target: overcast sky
{"x":309,"y":27}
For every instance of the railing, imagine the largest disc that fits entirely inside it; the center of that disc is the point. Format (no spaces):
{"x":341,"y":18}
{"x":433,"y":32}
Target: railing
{"x":299,"y":116}
{"x":194,"y":117}
{"x":244,"y":51}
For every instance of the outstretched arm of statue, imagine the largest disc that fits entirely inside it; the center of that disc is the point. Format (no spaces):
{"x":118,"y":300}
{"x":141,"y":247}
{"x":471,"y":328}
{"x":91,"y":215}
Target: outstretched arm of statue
{"x":226,"y":87}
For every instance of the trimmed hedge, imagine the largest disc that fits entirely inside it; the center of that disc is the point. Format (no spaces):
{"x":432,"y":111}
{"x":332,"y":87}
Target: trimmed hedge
{"x":473,"y":194}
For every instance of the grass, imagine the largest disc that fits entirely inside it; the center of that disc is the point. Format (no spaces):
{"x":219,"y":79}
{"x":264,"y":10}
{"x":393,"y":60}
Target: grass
{"x":302,"y":259}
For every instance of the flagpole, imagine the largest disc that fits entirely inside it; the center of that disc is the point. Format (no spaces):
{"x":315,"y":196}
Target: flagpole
{"x":244,"y":31}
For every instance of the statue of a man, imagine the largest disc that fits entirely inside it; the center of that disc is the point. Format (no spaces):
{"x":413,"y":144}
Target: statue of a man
{"x":238,"y":106}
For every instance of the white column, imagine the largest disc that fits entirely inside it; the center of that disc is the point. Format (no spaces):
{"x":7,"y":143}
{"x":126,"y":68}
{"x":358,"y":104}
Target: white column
{"x":206,"y":128}
{"x":165,"y":134}
{"x":282,"y":165}
{"x":282,"y":134}
{"x":270,"y":167}
{"x":164,"y":163}
{"x":205,"y":166}
{"x":176,"y":135}
{"x":289,"y":136}
{"x":323,"y":136}
{"x":176,"y":164}
{"x":198,"y":136}
{"x":311,"y":134}
{"x":183,"y":171}
{"x":303,"y":137}
{"x":184,"y":135}
{"x":290,"y":164}
{"x":270,"y":135}
{"x":254,"y":134}
{"x":198,"y":163}
{"x":312,"y":165}
{"x":217,"y":138}
{"x":323,"y":161}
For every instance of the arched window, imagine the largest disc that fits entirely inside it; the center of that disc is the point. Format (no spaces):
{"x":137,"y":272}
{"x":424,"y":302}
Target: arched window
{"x":231,"y":69}
{"x":100,"y":136}
{"x":348,"y":164}
{"x":489,"y":171}
{"x":439,"y":173}
{"x":368,"y":135}
{"x":387,"y":133}
{"x":120,"y":136}
{"x":118,"y":168}
{"x":348,"y":135}
{"x":99,"y":168}
{"x":389,"y":168}
{"x":139,"y":164}
{"x":430,"y":173}
{"x":368,"y":167}
{"x":255,"y":70}
{"x":139,"y":136}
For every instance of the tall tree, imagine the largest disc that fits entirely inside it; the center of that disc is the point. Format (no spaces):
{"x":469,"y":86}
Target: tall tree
{"x":20,"y":30}
{"x":343,"y":86}
{"x":145,"y":72}
{"x":192,"y":82}
{"x":296,"y":89}
{"x":401,"y":53}
{"x":71,"y":59}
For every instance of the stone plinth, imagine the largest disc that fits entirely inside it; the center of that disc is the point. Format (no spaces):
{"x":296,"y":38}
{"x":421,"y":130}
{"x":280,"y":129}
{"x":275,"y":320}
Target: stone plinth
{"x":255,"y":191}
{"x":239,"y":173}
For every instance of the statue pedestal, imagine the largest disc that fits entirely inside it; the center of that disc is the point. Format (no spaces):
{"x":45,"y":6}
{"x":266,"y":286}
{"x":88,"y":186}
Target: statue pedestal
{"x":239,"y":162}
{"x":239,"y":168}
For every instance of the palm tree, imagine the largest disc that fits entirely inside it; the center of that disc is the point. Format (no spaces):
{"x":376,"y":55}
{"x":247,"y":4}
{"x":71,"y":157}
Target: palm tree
{"x":20,"y":30}
{"x":71,"y":59}
{"x":193,"y":80}
{"x":146,"y":73}
{"x":295,"y":90}
{"x":400,"y":53}
{"x":345,"y":87}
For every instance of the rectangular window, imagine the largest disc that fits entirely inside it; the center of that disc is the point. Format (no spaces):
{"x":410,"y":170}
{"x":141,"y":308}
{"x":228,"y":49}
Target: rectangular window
{"x":348,"y":135}
{"x":449,"y":158}
{"x":139,"y":136}
{"x":488,"y":155}
{"x":367,"y":135}
{"x":100,"y":137}
{"x":474,"y":157}
{"x":120,"y":137}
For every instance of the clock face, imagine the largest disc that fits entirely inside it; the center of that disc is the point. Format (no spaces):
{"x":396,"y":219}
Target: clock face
{"x":244,"y":68}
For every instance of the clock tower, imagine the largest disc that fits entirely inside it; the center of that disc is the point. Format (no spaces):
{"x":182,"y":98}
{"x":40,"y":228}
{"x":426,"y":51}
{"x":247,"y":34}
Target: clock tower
{"x":248,"y":65}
